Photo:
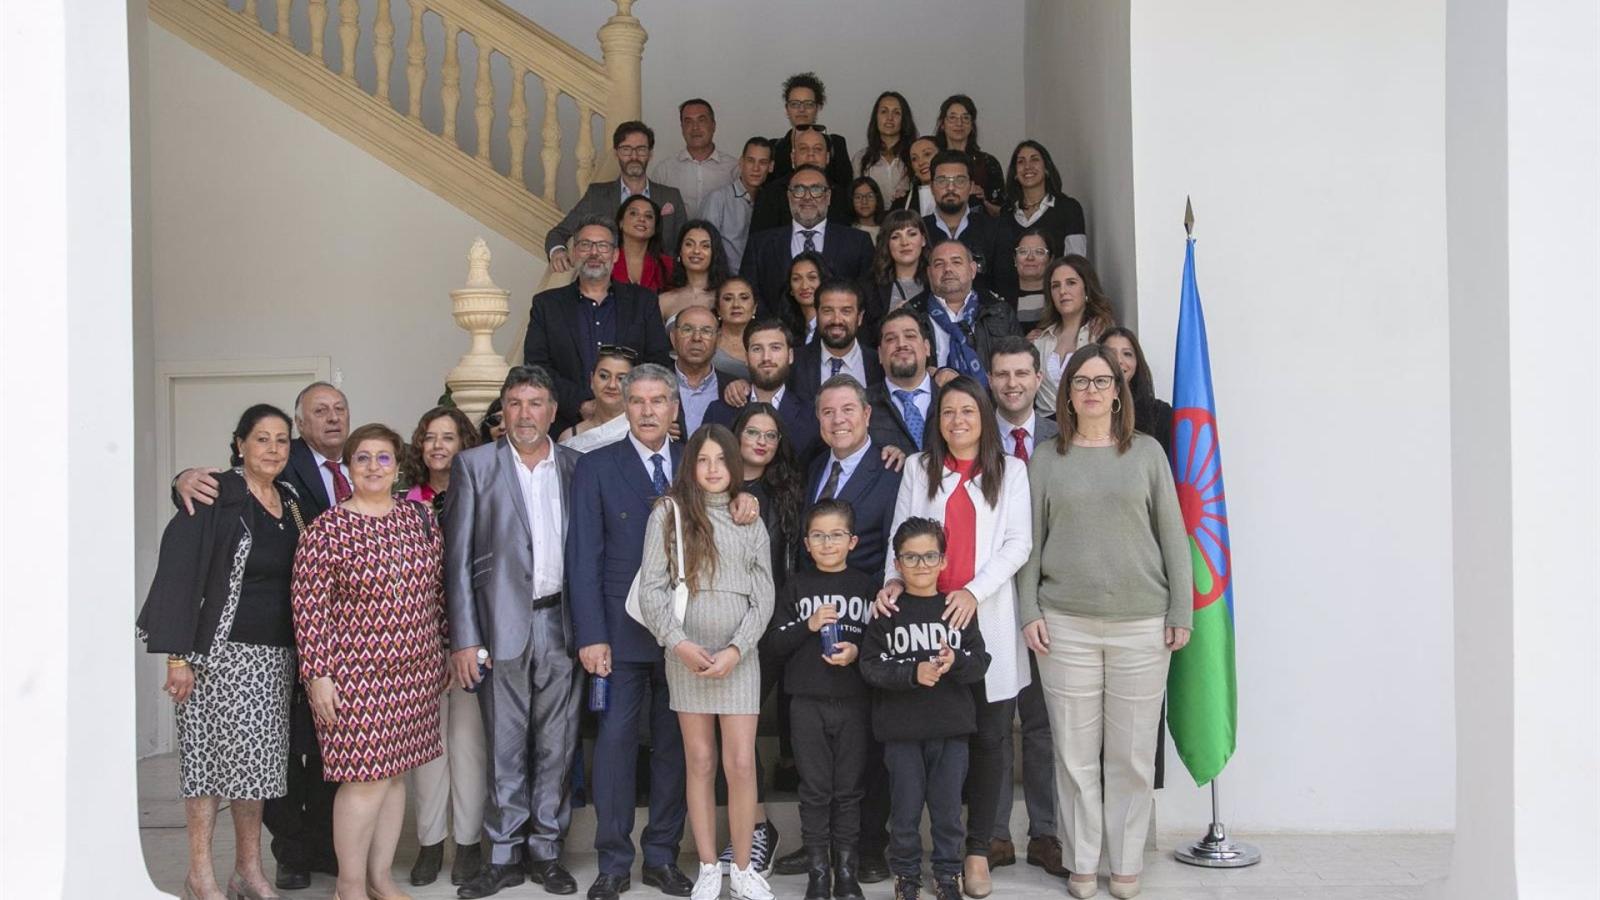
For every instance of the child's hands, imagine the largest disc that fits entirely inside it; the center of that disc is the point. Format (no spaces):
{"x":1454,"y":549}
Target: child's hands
{"x":825,"y":614}
{"x":928,"y":673}
{"x":844,"y":655}
{"x":946,"y":658}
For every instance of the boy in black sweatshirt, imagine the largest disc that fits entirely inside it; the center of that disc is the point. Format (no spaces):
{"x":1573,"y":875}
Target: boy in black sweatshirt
{"x":921,"y":671}
{"x":830,"y":714}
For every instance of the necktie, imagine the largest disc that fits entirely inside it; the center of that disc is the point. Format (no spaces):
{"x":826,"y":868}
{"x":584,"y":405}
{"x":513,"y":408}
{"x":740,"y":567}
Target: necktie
{"x":660,"y":475}
{"x":834,"y":364}
{"x":1020,"y":451}
{"x":913,"y":416}
{"x":809,"y":235}
{"x":341,"y":485}
{"x":830,"y":486}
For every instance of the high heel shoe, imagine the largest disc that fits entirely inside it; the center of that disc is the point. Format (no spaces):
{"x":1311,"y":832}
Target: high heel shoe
{"x":1123,"y":890}
{"x":239,"y":889}
{"x":1082,"y":888}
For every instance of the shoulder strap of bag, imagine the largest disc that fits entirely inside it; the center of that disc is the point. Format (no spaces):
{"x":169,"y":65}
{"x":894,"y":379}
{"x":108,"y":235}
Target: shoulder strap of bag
{"x":677,"y":540}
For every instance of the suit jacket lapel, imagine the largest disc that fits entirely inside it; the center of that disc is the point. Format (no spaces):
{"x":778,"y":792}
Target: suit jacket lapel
{"x":509,"y":482}
{"x":633,"y":468}
{"x":305,"y":465}
{"x":865,"y":474}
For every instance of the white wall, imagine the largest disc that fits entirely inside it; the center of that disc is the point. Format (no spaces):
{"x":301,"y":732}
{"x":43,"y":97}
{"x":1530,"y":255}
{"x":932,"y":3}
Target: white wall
{"x":1311,"y":137}
{"x":737,"y":54}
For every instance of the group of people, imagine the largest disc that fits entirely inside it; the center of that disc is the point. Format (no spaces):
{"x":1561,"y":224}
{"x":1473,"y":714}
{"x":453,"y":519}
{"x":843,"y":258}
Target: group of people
{"x":886,"y":462}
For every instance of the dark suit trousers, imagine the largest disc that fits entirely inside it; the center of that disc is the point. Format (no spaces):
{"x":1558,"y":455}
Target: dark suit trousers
{"x":301,"y":821}
{"x":1038,"y":766}
{"x":616,"y":749}
{"x":530,"y":723}
{"x":983,"y":774}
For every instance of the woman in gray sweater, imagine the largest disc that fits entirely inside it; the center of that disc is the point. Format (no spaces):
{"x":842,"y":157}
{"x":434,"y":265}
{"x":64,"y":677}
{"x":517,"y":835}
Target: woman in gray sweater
{"x":1106,"y":596}
{"x":713,"y":673}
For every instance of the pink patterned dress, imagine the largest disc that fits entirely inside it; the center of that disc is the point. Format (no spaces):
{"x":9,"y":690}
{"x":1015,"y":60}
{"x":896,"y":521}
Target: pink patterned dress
{"x":368,"y":595}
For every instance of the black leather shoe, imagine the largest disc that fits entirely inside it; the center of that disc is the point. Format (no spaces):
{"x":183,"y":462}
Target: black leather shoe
{"x":669,"y":880}
{"x":468,"y":860}
{"x":608,"y":887}
{"x":793,"y":864}
{"x":873,"y":868}
{"x":490,"y":880}
{"x":426,"y":869}
{"x":292,"y":878}
{"x":845,"y":885}
{"x":551,"y":874}
{"x":819,"y":874}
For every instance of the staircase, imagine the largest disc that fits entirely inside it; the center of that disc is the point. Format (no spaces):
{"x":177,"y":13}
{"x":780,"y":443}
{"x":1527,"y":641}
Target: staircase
{"x":405,"y":109}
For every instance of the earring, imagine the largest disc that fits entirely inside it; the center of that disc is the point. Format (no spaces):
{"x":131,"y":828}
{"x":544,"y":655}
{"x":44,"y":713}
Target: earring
{"x":1116,"y":405}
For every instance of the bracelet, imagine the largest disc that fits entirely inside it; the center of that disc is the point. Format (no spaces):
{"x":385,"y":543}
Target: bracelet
{"x":176,"y":662}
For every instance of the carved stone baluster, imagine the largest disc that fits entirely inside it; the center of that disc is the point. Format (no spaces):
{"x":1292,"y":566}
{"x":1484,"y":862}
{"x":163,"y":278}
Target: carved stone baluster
{"x":551,"y":154}
{"x":416,"y":59}
{"x":284,"y":6}
{"x":585,"y":155}
{"x":450,"y":72}
{"x":621,"y":50}
{"x":479,"y":308}
{"x":250,"y":11}
{"x":317,"y":12}
{"x":349,"y":32}
{"x":383,"y":47}
{"x":483,"y":90}
{"x":517,"y":114}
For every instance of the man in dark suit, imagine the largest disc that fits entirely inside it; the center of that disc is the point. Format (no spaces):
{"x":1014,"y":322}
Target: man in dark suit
{"x":504,"y":519}
{"x":809,"y":148}
{"x":694,"y":340}
{"x":632,"y":142}
{"x":803,"y":99}
{"x":301,"y":821}
{"x":837,"y":349}
{"x":568,"y":325}
{"x":990,"y":240}
{"x":1014,"y":378}
{"x":769,"y":352}
{"x":900,"y":404}
{"x":965,"y":319}
{"x":847,"y":250}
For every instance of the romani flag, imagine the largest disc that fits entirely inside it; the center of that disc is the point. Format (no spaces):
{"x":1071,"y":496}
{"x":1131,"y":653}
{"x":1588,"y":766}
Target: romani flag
{"x":1202,"y":694}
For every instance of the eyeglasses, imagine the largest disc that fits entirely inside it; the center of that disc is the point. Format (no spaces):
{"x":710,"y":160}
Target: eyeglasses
{"x":704,"y":331}
{"x":627,"y":353}
{"x":625,"y":152}
{"x":364,"y":459}
{"x":756,"y":434}
{"x":1033,"y":253}
{"x":920,"y":560}
{"x":587,"y":246}
{"x":812,"y":126}
{"x":958,"y":118}
{"x":802,"y":105}
{"x":1100,"y":382}
{"x":959,"y":181}
{"x":814,"y":191}
{"x":494,"y":420}
{"x":829,"y":537}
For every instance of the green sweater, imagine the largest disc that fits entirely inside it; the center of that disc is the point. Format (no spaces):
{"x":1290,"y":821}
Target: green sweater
{"x":1108,"y":536}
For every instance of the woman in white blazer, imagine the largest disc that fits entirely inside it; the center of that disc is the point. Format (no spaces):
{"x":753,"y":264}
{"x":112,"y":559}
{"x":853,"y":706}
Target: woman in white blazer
{"x":965,"y":479}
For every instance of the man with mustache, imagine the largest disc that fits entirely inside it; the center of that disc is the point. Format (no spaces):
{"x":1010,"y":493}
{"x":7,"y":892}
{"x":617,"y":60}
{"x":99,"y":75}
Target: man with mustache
{"x":966,"y":320}
{"x":632,"y":142}
{"x":569,"y":325}
{"x":808,"y":226}
{"x":953,"y":217}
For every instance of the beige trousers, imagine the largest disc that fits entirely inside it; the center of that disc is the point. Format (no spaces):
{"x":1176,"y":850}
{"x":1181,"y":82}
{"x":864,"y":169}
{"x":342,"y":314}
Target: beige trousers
{"x":1103,"y":680}
{"x":452,"y":789}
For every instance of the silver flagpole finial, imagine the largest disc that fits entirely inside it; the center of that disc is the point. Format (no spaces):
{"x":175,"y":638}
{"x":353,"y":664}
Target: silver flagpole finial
{"x":1188,"y":216}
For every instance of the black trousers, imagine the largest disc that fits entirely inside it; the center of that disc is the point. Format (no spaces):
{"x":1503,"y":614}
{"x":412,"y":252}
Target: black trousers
{"x":831,"y":737}
{"x":301,"y":821}
{"x":875,"y":802}
{"x":983,"y":774}
{"x":926,"y":773}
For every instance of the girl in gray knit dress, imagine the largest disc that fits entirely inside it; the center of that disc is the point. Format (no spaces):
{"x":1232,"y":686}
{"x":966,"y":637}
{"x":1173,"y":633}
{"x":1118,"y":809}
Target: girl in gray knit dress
{"x":713,"y":675}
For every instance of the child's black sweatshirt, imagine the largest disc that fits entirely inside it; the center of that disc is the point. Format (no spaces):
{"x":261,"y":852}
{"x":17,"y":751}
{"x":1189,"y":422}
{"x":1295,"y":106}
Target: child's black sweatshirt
{"x":805,"y":674}
{"x":902,"y":709}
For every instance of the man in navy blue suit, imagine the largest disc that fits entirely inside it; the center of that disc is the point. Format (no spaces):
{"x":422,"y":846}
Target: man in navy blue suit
{"x":847,"y":250}
{"x":837,"y":349}
{"x":769,"y":352}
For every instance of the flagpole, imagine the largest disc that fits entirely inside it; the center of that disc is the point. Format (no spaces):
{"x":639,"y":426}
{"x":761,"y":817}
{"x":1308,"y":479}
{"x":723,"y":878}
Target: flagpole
{"x":1215,"y":850}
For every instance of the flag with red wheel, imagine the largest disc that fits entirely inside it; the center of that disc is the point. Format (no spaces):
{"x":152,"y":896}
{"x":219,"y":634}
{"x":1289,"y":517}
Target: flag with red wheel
{"x":1202,"y":692}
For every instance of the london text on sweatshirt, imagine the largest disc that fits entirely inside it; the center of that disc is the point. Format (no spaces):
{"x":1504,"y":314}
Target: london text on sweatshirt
{"x":902,"y":709}
{"x":805,"y":674}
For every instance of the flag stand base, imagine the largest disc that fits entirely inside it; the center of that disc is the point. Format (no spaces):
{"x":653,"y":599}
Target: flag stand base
{"x":1215,"y":851}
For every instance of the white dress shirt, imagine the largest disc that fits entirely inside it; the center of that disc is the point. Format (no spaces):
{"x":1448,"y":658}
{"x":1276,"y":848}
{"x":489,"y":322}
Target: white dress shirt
{"x":327,"y":476}
{"x":847,"y":467}
{"x":921,"y":395}
{"x":854,"y":365}
{"x":547,"y":520}
{"x":645,"y":453}
{"x":729,"y":208}
{"x":941,"y":340}
{"x":966,"y":216}
{"x":891,"y":175}
{"x":777,"y":397}
{"x":694,"y":178}
{"x":622,"y":183}
{"x":797,"y":241}
{"x":1009,"y":443}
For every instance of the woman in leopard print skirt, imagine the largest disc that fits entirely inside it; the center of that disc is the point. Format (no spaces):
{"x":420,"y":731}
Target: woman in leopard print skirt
{"x":219,"y":608}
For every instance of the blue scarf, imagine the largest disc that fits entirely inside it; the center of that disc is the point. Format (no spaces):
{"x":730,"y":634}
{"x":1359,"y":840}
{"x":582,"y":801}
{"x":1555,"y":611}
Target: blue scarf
{"x":963,"y":356}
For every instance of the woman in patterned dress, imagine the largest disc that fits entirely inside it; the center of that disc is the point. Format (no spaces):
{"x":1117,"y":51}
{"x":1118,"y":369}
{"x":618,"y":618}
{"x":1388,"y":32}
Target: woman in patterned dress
{"x":219,"y":607}
{"x":713,"y":674}
{"x":369,"y":622}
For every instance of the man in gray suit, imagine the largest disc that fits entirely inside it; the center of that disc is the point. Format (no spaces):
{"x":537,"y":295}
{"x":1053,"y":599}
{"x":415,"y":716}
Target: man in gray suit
{"x":1014,"y":378}
{"x":505,"y":521}
{"x":632,"y":142}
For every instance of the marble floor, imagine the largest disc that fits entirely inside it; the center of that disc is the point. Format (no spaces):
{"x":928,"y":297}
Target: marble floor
{"x":1337,"y":866}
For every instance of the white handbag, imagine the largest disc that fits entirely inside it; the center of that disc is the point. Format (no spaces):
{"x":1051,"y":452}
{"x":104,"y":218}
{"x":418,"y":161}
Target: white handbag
{"x":680,"y":590}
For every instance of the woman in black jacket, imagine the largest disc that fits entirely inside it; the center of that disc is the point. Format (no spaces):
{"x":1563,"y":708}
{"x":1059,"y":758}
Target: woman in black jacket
{"x":219,"y":609}
{"x":1034,"y":200}
{"x":1150,"y":415}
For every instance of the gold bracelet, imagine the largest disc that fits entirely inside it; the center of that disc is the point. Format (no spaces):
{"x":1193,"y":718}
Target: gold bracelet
{"x":176,"y":662}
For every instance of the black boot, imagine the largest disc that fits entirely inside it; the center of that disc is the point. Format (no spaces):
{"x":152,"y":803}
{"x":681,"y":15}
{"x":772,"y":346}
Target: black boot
{"x":467,"y":862}
{"x":819,"y":876}
{"x":792,"y":864}
{"x":426,"y":868}
{"x":845,"y":885}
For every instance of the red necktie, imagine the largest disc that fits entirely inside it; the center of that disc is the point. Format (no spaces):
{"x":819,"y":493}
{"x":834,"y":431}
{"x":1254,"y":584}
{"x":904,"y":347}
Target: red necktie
{"x":1020,"y":451}
{"x":341,"y":485}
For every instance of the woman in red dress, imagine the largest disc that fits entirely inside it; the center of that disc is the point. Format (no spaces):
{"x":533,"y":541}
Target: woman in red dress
{"x":640,"y":258}
{"x":369,"y":621}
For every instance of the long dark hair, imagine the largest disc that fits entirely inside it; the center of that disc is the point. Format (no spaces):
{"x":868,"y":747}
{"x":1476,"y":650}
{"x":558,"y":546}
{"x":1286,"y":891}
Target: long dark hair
{"x":1141,"y":384}
{"x":484,"y":437}
{"x":1097,"y":312}
{"x":699,"y":541}
{"x":1121,"y":418}
{"x":781,"y":480}
{"x":1052,"y":176}
{"x":902,"y":147}
{"x":412,"y":465}
{"x":652,"y":247}
{"x":972,"y":110}
{"x":991,"y":460}
{"x":877,"y":194}
{"x":248,"y":422}
{"x":719,"y":269}
{"x":883,"y":261}
{"x":789,"y":310}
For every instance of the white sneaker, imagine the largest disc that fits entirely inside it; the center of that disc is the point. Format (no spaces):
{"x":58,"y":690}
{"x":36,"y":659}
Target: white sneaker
{"x":709,"y":885}
{"x":749,"y":885}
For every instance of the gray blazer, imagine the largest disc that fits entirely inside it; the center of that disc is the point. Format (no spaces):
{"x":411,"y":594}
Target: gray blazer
{"x":488,"y":551}
{"x":1044,"y":429}
{"x":602,"y":199}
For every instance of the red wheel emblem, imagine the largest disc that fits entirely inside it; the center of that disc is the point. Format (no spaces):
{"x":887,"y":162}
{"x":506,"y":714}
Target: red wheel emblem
{"x":1197,"y":469}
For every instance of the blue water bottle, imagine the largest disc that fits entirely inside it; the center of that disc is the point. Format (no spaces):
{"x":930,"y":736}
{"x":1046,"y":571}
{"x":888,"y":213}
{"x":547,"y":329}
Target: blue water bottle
{"x":830,"y":638}
{"x":599,"y":693}
{"x":483,"y":670}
